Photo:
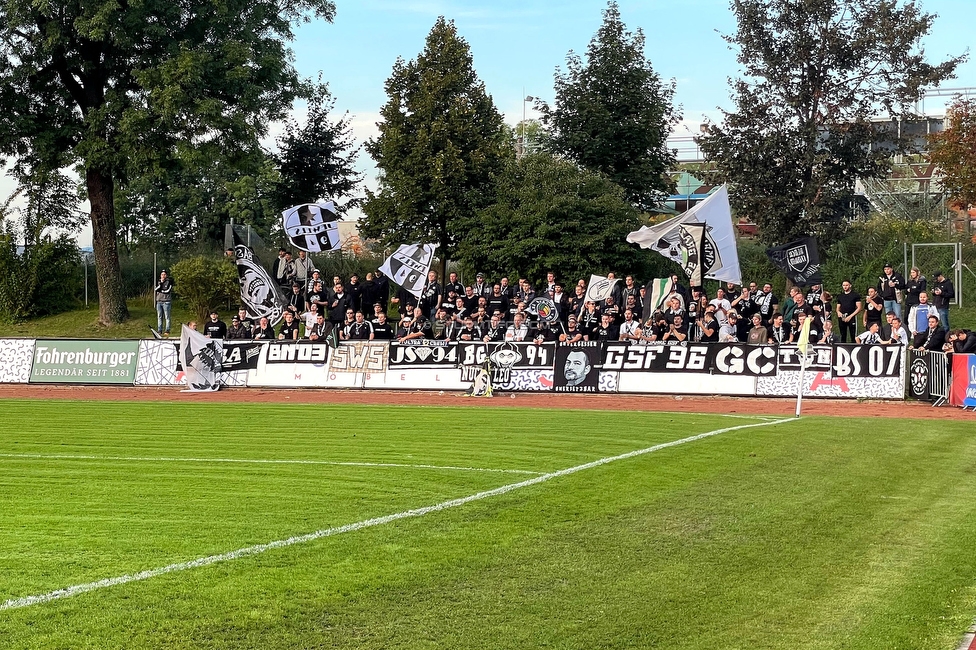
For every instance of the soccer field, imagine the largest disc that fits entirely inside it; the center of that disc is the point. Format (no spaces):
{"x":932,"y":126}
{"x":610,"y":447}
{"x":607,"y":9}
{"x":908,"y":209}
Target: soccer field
{"x":168,"y":525}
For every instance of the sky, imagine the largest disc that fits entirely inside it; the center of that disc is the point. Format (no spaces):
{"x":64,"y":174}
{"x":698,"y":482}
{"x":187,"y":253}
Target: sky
{"x":517,"y":45}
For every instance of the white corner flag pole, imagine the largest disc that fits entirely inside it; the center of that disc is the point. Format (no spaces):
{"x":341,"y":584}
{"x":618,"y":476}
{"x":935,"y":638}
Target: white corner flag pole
{"x":803,"y":344}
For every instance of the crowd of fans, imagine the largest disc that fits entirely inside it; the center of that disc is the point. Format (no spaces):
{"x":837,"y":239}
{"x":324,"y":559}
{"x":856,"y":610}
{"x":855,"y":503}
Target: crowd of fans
{"x":894,"y":311}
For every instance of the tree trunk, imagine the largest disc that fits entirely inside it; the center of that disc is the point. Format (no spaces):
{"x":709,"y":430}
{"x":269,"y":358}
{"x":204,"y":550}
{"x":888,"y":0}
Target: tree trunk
{"x":111,"y":294}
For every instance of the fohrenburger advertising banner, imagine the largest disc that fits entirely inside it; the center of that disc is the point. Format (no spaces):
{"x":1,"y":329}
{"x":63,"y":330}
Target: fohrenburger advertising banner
{"x":84,"y":362}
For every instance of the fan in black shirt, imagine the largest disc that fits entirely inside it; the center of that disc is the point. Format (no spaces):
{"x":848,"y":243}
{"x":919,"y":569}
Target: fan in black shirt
{"x":215,"y":328}
{"x":289,"y":329}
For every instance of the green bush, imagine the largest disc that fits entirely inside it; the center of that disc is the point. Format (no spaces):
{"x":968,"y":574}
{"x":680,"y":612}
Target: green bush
{"x":45,"y":279}
{"x":205,"y":283}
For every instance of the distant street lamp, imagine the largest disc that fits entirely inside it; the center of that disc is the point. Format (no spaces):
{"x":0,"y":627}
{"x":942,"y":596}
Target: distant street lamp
{"x":523,"y":143}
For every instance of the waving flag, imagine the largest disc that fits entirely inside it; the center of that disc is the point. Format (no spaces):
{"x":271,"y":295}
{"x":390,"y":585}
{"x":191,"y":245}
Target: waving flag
{"x":721,"y":257}
{"x":409,"y":266}
{"x":799,"y":261}
{"x":312,"y":227}
{"x":259,"y":293}
{"x":599,"y":288}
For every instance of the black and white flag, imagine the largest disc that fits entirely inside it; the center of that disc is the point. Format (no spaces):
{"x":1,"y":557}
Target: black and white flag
{"x":312,"y":227}
{"x":599,"y":288}
{"x":692,"y":247}
{"x":259,"y":292}
{"x":798,"y":260}
{"x":409,"y":266}
{"x":201,"y":358}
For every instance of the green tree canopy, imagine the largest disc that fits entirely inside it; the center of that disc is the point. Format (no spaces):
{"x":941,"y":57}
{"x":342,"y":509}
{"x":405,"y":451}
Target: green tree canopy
{"x":316,"y":159}
{"x":553,"y":216}
{"x":119,"y":88}
{"x":442,"y":142}
{"x":954,"y":151}
{"x":815,"y":74}
{"x":613,"y":114}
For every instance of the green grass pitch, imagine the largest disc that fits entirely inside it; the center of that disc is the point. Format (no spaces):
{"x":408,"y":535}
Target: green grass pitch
{"x":817,"y":533}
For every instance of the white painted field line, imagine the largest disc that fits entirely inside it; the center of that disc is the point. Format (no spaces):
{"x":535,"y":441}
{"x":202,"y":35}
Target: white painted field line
{"x":75,"y":590}
{"x":261,"y":461}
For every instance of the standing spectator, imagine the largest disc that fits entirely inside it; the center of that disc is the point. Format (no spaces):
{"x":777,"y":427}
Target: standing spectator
{"x":630,"y":328}
{"x":470,"y":331}
{"x":828,"y":337}
{"x":278,"y":268}
{"x":288,"y":271}
{"x":871,"y":335}
{"x":455,"y":286}
{"x":943,"y":294}
{"x":913,"y":287}
{"x":758,"y":335}
{"x":296,"y":300}
{"x":481,"y":288}
{"x":368,"y":296}
{"x":766,"y":302}
{"x":517,"y":331}
{"x":722,"y":306}
{"x":264,"y":331}
{"x":310,"y":317}
{"x":815,"y":328}
{"x":607,"y":330}
{"x":317,"y":297}
{"x":164,"y":303}
{"x":550,"y":285}
{"x":708,"y":326}
{"x":495,"y":330}
{"x":848,"y":307}
{"x":744,"y":304}
{"x":319,"y":330}
{"x":238,"y":331}
{"x":382,"y":289}
{"x":245,"y":320}
{"x":897,"y":335}
{"x":355,"y":291}
{"x":890,"y":285}
{"x":497,"y":301}
{"x":431,"y":294}
{"x":289,"y":329}
{"x":359,"y":330}
{"x":728,"y":333}
{"x":873,"y":308}
{"x":572,"y":333}
{"x":382,"y":330}
{"x":677,"y":332}
{"x":303,"y":268}
{"x":779,"y":330}
{"x":341,"y":303}
{"x":215,"y":328}
{"x":933,"y":338}
{"x":918,"y":317}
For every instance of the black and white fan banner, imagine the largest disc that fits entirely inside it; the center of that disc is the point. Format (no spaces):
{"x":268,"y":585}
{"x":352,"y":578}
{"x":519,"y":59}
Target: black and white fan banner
{"x":202,"y":359}
{"x":259,"y":293}
{"x":312,"y":227}
{"x":799,"y":261}
{"x":409,"y":266}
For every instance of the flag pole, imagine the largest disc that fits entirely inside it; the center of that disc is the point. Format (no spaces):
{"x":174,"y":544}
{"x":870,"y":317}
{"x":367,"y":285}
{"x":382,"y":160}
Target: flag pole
{"x":803,"y":345}
{"x":799,"y":392}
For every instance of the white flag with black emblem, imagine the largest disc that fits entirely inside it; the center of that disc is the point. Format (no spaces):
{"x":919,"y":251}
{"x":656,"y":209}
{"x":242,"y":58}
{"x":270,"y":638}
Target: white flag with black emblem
{"x":202,"y":359}
{"x":599,"y":288}
{"x":719,"y":252}
{"x":312,"y":227}
{"x":409,"y":266}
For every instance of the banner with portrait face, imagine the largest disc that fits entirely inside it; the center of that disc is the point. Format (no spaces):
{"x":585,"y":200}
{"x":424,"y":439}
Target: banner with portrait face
{"x":576,"y":367}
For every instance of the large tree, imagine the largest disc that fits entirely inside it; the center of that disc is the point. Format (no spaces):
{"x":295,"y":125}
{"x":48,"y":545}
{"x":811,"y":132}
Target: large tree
{"x":613,"y":114}
{"x":316,"y":158}
{"x":822,"y":81}
{"x":954,"y":151}
{"x":441,"y":145}
{"x":120,"y":87}
{"x":553,"y":216}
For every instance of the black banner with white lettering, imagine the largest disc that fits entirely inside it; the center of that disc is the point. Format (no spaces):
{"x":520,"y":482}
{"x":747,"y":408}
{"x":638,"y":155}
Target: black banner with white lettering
{"x":424,"y":354}
{"x":241,"y":355}
{"x":867,"y":360}
{"x":919,"y":382}
{"x":311,"y":352}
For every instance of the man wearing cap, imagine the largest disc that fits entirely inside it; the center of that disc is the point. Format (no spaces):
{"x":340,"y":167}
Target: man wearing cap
{"x":215,"y":328}
{"x":481,"y":288}
{"x":943,"y":294}
{"x":890,"y":285}
{"x":238,"y":330}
